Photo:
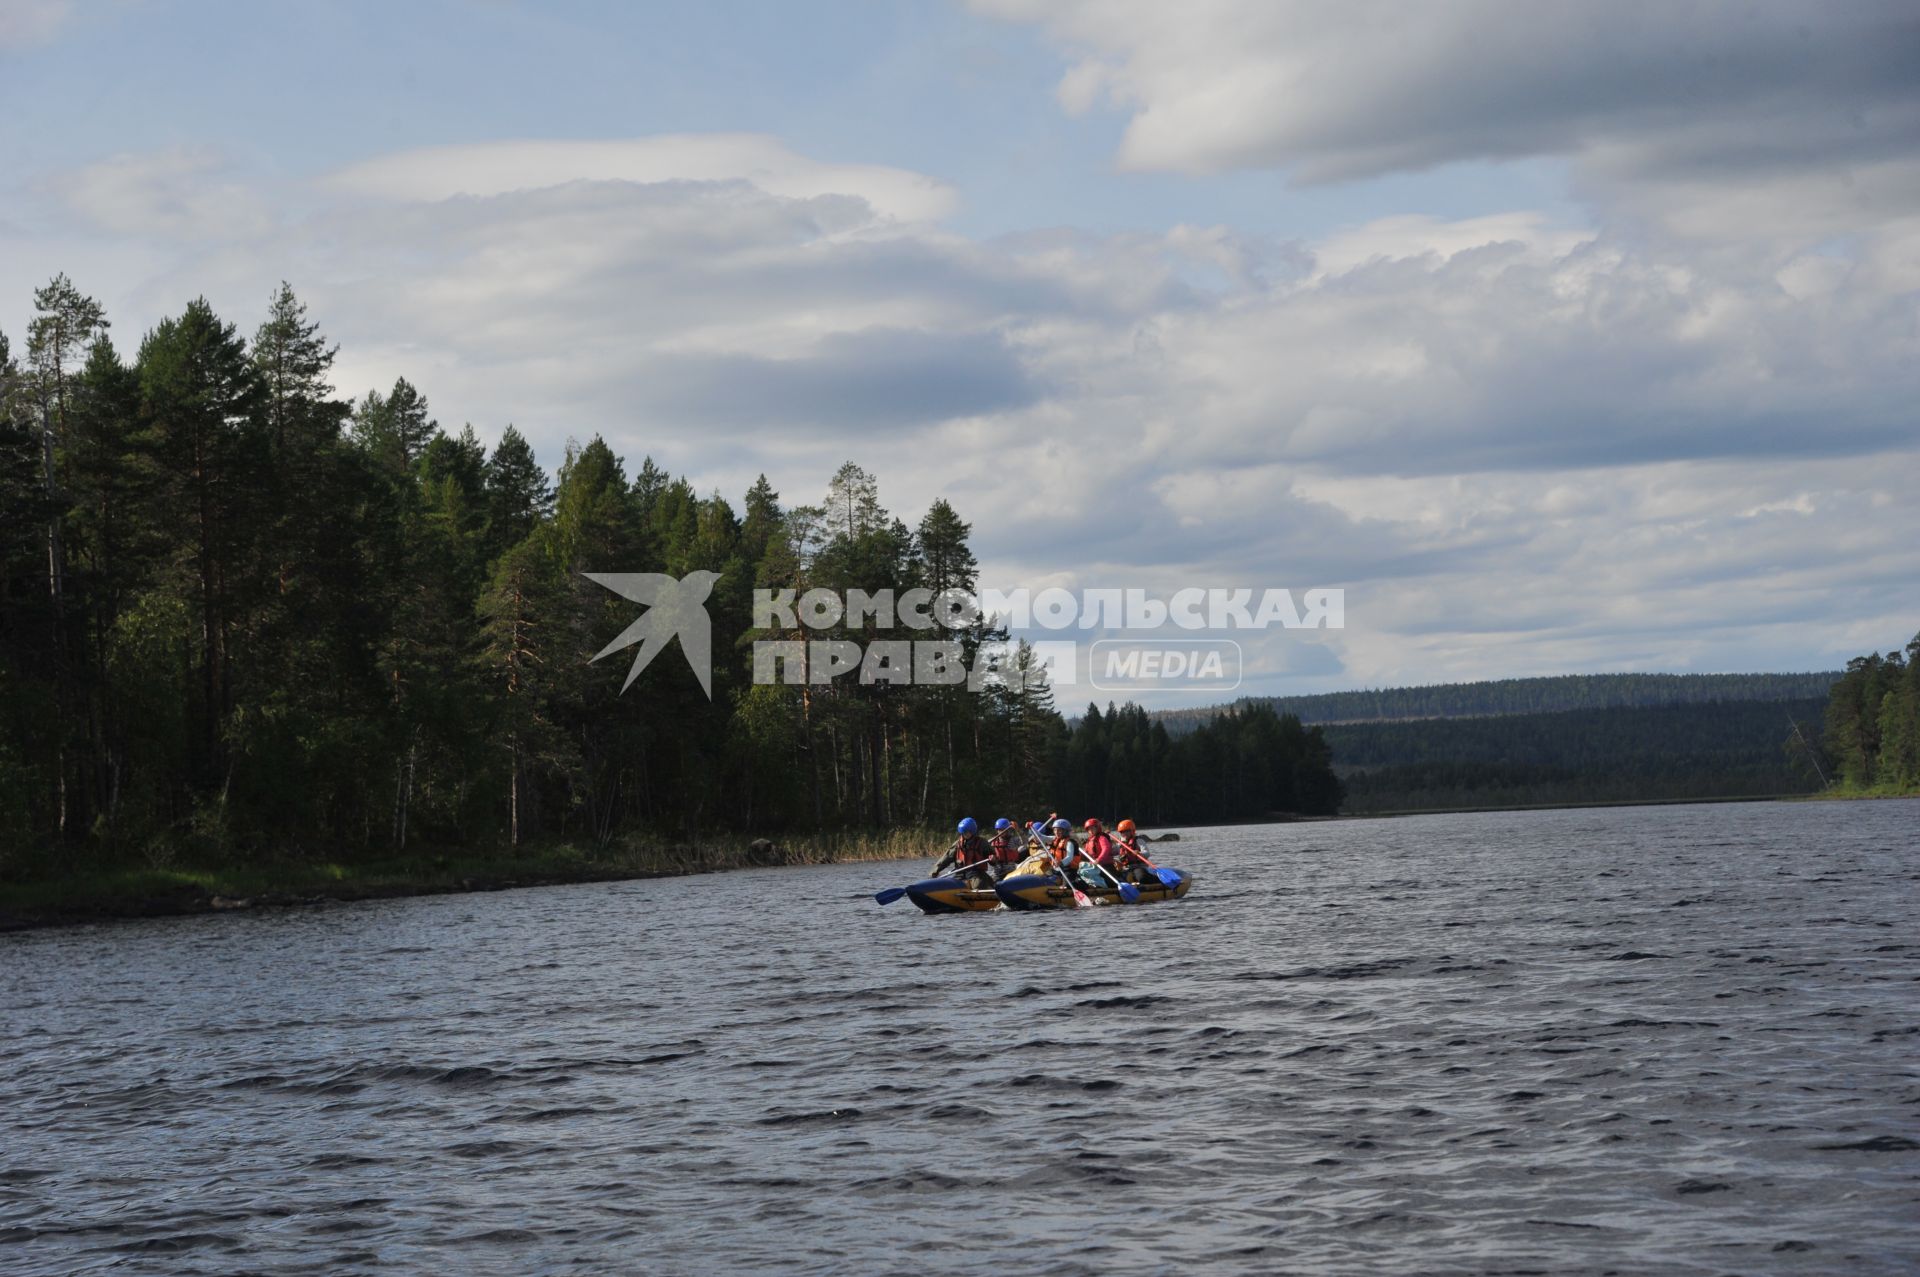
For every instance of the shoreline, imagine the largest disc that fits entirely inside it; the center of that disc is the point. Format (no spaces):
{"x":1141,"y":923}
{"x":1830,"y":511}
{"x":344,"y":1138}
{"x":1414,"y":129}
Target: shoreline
{"x":1859,"y":795}
{"x":122,"y":893}
{"x":1598,"y":802}
{"x":125,"y":893}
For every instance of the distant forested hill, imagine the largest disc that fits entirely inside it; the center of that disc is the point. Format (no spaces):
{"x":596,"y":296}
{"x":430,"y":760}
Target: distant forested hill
{"x":1529,"y":696}
{"x":1619,"y":753}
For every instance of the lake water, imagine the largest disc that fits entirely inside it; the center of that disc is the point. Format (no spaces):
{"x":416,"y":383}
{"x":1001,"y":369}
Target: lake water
{"x":1649,"y":1040}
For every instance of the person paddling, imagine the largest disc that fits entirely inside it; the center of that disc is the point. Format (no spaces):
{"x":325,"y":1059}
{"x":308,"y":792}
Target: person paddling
{"x":1070,"y":859}
{"x":968,"y":857}
{"x":1007,"y":845}
{"x":1099,"y":844}
{"x":1129,"y":862}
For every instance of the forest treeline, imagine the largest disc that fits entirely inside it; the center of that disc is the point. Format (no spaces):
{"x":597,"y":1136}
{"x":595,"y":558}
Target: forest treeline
{"x":1619,"y":754}
{"x":1530,"y":696}
{"x":1243,"y":764}
{"x":1872,"y":720}
{"x":241,"y":616}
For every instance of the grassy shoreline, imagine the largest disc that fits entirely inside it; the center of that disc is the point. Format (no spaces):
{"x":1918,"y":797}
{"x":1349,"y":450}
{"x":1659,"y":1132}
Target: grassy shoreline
{"x":111,"y":892}
{"x":1842,"y":794}
{"x":1577,"y":806}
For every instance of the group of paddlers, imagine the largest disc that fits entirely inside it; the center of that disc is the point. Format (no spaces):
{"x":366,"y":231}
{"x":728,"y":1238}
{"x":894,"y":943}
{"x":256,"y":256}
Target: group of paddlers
{"x":1047,"y":847}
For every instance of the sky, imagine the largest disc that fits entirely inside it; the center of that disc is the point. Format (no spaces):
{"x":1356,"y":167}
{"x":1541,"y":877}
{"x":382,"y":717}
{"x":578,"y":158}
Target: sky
{"x":1563,"y":338}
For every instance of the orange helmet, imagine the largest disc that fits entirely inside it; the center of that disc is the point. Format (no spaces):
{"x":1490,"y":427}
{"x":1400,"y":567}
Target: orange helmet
{"x":1125,"y":826}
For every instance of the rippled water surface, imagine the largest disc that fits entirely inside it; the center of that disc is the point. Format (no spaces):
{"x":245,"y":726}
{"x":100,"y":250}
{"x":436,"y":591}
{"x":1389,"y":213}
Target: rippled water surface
{"x":1642,"y":1040}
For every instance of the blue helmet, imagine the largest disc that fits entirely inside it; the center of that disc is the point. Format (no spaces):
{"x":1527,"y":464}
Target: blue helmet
{"x":1063,"y":824}
{"x":1002,"y":823}
{"x":969,"y":825}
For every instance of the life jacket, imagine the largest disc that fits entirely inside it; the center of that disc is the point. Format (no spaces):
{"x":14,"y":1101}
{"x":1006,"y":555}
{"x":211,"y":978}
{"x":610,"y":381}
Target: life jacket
{"x":1005,"y":848}
{"x":1100,"y":847}
{"x":1126,"y":851}
{"x":1065,"y":851}
{"x":969,"y":850}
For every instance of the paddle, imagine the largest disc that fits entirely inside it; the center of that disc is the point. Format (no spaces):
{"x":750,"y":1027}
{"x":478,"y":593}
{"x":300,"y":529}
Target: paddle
{"x":1168,"y":877}
{"x":892,"y":894}
{"x":1128,"y":892}
{"x":1080,"y":898}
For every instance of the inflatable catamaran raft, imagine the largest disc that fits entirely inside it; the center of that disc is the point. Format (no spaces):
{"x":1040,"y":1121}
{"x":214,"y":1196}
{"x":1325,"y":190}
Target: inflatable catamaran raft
{"x":1066,"y":873}
{"x":1036,"y":891}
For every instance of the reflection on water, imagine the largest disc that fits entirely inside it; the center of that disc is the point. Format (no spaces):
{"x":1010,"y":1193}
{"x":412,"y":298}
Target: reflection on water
{"x":1656,"y":1039}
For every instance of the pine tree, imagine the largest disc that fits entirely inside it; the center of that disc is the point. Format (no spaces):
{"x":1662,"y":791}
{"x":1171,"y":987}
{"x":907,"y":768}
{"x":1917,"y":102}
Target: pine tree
{"x":116,"y":541}
{"x":950,"y":564}
{"x":762,"y":521}
{"x":372,"y":426}
{"x":294,"y":362}
{"x":201,"y":394}
{"x":853,"y":503}
{"x":65,"y":321}
{"x":413,"y":427}
{"x":395,"y":428}
{"x":522,"y":614}
{"x":65,"y":325}
{"x":518,"y":495}
{"x":648,"y":483}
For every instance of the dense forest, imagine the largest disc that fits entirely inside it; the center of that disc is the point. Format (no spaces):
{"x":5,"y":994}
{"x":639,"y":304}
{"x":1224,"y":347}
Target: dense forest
{"x":242,"y":617}
{"x":1873,"y":724}
{"x":1719,"y":750}
{"x":1243,"y":764}
{"x":1529,"y":696}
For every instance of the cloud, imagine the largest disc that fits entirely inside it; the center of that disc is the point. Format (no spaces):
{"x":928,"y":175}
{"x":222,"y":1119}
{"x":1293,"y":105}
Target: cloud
{"x":848,"y":383}
{"x":1416,"y":235}
{"x":1523,"y":446}
{"x":26,"y":24}
{"x":1717,"y":119}
{"x":496,"y":168}
{"x":186,"y":193}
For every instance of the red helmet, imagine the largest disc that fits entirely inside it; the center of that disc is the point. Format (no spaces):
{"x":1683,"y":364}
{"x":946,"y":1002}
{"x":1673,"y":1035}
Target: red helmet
{"x":1092,"y":823}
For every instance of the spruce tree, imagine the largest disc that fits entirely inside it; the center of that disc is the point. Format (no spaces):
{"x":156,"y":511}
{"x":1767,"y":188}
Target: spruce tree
{"x":518,"y":494}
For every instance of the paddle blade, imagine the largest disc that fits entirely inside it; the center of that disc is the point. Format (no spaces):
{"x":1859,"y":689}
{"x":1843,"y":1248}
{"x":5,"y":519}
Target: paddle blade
{"x":1080,"y":900}
{"x":1169,"y":876}
{"x":1130,"y":893}
{"x":890,"y":895}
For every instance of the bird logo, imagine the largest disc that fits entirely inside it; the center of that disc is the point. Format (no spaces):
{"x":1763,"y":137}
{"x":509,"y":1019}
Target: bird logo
{"x":675,"y":608}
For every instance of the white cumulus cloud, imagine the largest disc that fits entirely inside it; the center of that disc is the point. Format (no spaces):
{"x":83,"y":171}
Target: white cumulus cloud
{"x":1522,"y":446}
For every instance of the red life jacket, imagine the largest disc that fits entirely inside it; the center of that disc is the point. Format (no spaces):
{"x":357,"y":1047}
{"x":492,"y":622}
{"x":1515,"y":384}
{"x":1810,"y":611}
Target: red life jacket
{"x":1100,"y":847}
{"x":969,"y":850}
{"x":1004,"y":847}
